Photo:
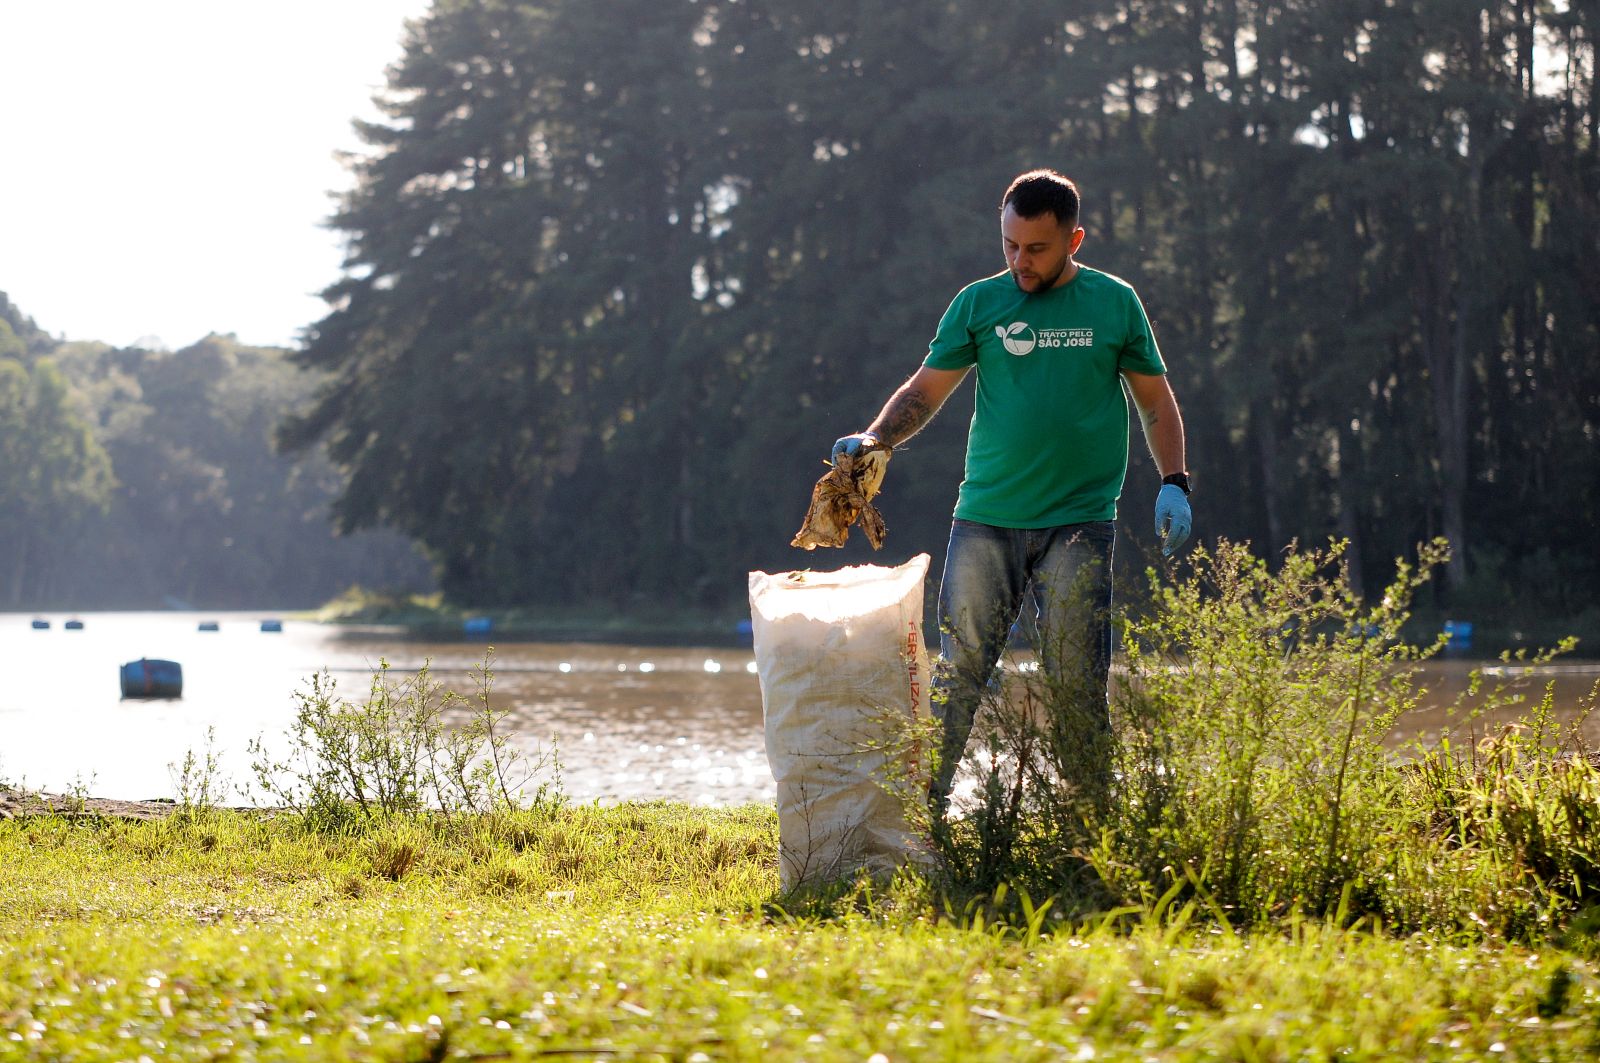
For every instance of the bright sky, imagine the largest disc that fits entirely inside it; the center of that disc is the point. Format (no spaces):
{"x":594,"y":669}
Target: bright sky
{"x":165,"y":165}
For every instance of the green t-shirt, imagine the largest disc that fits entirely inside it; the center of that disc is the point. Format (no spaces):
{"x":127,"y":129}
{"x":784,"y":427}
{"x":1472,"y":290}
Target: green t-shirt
{"x":1049,"y":437}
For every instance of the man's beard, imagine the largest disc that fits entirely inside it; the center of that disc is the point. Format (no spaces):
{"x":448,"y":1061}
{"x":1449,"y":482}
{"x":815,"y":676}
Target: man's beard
{"x":1045,"y":283}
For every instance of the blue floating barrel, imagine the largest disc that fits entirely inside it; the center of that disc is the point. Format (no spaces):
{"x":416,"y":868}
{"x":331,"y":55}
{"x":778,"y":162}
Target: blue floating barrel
{"x":1458,"y":634}
{"x":272,"y":626}
{"x":477,"y":625}
{"x":73,"y":625}
{"x":146,"y":678}
{"x":41,"y":625}
{"x":210,"y":625}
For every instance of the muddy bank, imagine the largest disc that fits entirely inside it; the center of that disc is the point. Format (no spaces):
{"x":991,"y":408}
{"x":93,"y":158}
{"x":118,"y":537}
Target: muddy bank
{"x":21,"y":804}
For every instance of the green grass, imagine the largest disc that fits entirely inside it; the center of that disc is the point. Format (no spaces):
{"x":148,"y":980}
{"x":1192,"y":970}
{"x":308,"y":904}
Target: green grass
{"x":1255,"y":789}
{"x":645,"y":932}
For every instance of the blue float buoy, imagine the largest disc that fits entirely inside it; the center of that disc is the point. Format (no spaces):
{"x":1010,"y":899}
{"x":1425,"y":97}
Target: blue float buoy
{"x":477,"y":625}
{"x":73,"y":625}
{"x":210,"y":625}
{"x":41,"y":625}
{"x":147,"y":678}
{"x":272,"y":626}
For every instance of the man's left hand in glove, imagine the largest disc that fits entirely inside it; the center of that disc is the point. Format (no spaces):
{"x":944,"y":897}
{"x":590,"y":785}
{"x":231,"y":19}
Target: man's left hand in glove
{"x":1173,"y":518}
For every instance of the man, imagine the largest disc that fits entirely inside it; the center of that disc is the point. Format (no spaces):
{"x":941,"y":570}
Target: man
{"x":1054,"y":343}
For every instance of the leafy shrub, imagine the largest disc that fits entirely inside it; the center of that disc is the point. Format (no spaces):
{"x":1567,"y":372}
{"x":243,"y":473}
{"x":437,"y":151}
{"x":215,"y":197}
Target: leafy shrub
{"x":1253,"y":769}
{"x":198,"y":778}
{"x":397,"y":754}
{"x":1502,"y":835}
{"x":1252,"y":724}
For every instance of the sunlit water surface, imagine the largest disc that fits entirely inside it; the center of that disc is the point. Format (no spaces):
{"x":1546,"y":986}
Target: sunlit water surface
{"x":628,"y":722}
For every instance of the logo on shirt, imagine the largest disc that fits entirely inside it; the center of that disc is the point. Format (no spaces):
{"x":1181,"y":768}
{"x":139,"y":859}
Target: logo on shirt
{"x":1017,"y":337}
{"x":1066,"y":337}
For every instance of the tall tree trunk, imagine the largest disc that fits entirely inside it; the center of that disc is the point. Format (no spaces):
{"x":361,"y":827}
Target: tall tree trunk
{"x":1264,"y":429}
{"x":1349,"y":481}
{"x":684,"y":525}
{"x":1443,"y":313}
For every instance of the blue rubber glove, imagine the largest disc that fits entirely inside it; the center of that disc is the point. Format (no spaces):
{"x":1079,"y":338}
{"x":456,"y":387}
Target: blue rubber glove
{"x":1173,"y":518}
{"x":852,"y":445}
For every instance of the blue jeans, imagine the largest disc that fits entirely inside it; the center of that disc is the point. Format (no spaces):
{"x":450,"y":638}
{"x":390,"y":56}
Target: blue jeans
{"x":1064,"y":575}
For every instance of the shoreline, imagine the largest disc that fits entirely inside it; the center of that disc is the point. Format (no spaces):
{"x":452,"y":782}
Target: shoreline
{"x":24,"y":804}
{"x":28,"y":804}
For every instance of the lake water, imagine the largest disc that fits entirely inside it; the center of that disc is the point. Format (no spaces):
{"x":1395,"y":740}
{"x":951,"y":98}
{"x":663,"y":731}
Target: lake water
{"x":630,"y":722}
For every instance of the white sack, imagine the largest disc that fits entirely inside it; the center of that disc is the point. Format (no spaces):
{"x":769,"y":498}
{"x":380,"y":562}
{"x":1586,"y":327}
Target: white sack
{"x":843,"y":669}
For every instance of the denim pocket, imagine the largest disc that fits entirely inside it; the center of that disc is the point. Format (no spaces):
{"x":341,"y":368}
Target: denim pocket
{"x":1098,"y":531}
{"x":971,"y":529}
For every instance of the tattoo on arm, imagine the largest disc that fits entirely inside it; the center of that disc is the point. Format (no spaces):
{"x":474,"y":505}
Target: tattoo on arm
{"x":1147,"y":418}
{"x":903,"y":416}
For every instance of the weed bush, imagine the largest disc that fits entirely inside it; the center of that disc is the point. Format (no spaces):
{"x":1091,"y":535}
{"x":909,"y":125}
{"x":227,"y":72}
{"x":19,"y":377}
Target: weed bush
{"x":1253,"y":769}
{"x":1504,"y":834}
{"x":1251,"y":741}
{"x":398,"y":753}
{"x":198,"y":778}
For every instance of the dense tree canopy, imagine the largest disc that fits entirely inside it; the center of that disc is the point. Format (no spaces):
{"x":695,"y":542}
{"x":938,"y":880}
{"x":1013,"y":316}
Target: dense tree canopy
{"x":53,"y":474}
{"x":619,"y":273}
{"x":132,"y":478}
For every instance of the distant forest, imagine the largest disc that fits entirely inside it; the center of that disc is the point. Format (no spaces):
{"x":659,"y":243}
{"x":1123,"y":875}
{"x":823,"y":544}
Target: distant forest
{"x":135,"y":478}
{"x":620,"y":273}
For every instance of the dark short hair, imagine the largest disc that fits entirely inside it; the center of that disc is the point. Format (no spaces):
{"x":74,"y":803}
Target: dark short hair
{"x":1037,"y":191}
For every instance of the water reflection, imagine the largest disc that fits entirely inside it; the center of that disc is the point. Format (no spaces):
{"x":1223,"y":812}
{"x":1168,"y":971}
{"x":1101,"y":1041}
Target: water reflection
{"x":639,"y":721}
{"x":1570,"y":685}
{"x":680,"y":723}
